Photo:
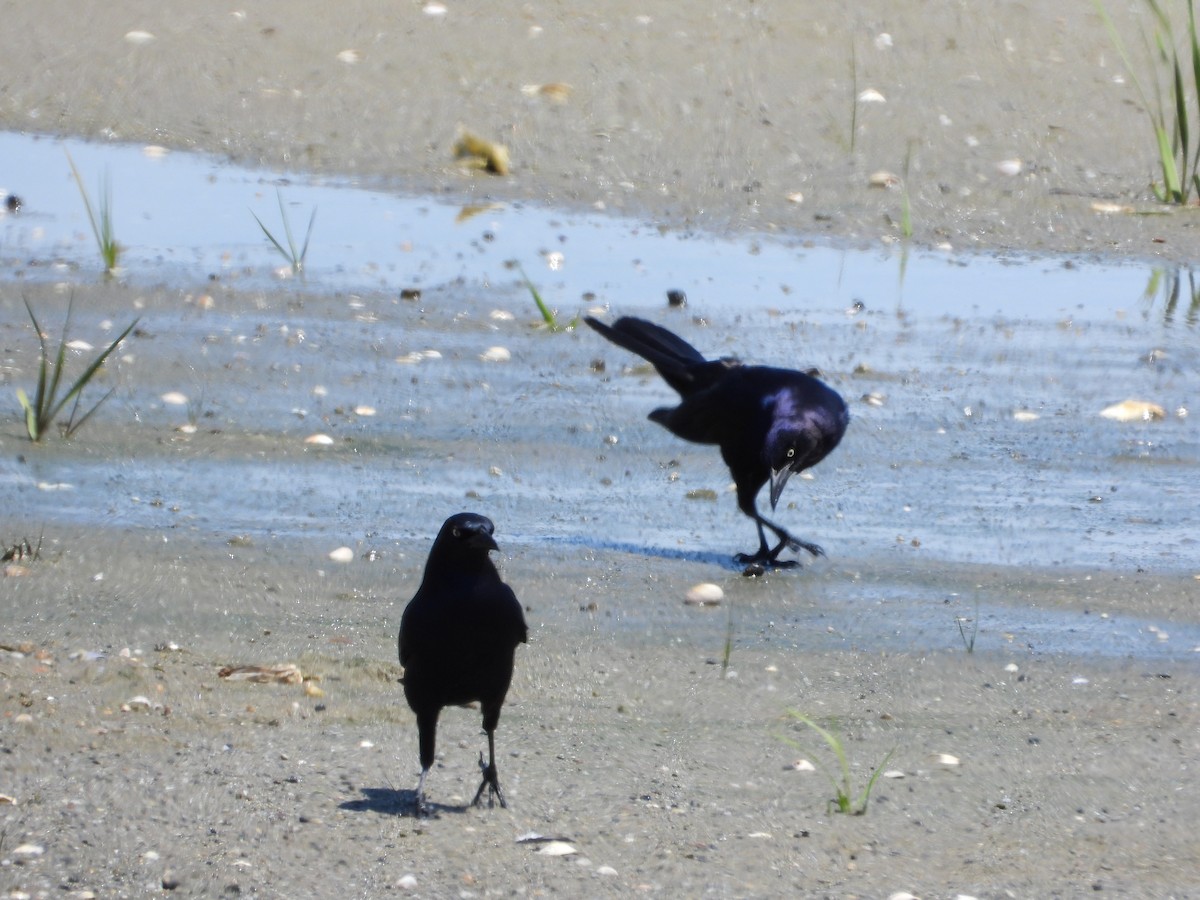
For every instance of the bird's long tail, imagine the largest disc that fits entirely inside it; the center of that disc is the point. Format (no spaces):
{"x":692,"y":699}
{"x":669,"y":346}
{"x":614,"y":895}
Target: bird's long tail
{"x":674,"y":358}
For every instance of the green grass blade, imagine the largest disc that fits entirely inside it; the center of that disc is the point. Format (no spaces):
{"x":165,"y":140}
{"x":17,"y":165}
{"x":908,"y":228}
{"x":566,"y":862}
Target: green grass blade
{"x":547,"y":314}
{"x":287,"y":228}
{"x":270,"y":237}
{"x":865,"y":797}
{"x":308,"y":236}
{"x":39,"y":396}
{"x":31,"y":422}
{"x":82,"y":381}
{"x":74,"y":424}
{"x":87,"y":203}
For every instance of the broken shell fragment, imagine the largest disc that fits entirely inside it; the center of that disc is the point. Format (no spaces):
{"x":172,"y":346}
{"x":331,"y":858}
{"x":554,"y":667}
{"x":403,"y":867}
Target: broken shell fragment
{"x":322,"y":440}
{"x":1134,"y":411}
{"x":341,"y":555}
{"x":174,"y":398}
{"x":1103,"y":206}
{"x":556,"y":848}
{"x":883,"y":179}
{"x":477,"y":153}
{"x":870,"y":95}
{"x":285,"y":674}
{"x":704,"y":594}
{"x":555,"y":91}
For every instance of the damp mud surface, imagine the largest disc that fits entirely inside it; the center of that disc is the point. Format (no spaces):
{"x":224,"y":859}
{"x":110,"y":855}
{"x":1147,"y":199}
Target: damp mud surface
{"x":1005,"y":622}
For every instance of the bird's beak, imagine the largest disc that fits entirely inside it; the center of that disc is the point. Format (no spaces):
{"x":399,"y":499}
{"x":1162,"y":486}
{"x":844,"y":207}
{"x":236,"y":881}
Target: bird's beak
{"x":779,"y":478}
{"x":481,"y":540}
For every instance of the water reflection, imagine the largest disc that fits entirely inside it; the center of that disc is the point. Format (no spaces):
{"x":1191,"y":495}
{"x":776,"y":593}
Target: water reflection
{"x":185,"y":219}
{"x":1170,"y":286}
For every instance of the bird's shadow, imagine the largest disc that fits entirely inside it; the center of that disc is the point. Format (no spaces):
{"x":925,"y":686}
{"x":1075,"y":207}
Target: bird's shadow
{"x":707,"y":557}
{"x":391,"y":802}
{"x":701,"y":556}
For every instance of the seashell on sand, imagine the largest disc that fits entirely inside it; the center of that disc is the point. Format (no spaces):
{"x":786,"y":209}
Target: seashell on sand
{"x":556,"y":848}
{"x":1134,"y":411}
{"x":342,"y":555}
{"x":321,"y":440}
{"x":495,"y":354}
{"x":704,"y":594}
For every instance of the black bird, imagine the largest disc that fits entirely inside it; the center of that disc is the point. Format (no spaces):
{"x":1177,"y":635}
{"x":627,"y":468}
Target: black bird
{"x":769,"y":423}
{"x":458,"y":637}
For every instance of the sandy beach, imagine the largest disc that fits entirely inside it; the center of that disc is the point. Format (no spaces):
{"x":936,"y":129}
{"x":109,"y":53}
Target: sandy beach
{"x":1005,"y":626}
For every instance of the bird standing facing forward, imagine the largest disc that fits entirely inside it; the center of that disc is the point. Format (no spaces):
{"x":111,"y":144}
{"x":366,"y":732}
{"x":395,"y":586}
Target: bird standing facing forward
{"x":458,"y":637}
{"x":769,"y":423}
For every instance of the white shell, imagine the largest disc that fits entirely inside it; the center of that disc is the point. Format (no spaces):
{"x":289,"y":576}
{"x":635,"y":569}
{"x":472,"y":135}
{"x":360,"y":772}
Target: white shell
{"x":1133,"y":411}
{"x":557,"y":848}
{"x":495,"y":354}
{"x":342,"y":555}
{"x":174,"y":398}
{"x":705,"y":594}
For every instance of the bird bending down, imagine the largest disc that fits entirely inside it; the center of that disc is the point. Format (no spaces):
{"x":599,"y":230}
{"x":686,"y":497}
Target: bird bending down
{"x":769,"y":423}
{"x":458,"y":638}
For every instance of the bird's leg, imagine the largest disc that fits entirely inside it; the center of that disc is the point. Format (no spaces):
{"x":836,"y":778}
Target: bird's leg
{"x":490,"y":779}
{"x":422,"y":808}
{"x":770,"y":555}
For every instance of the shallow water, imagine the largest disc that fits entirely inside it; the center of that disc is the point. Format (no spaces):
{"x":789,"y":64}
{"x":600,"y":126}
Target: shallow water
{"x":935,"y":352}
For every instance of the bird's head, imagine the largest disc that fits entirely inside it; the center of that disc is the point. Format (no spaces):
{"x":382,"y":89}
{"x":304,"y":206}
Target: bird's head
{"x":788,"y":450}
{"x":468,"y":531}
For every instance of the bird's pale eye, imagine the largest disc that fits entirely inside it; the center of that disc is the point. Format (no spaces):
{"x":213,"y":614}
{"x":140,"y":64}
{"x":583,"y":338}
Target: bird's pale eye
{"x":457,"y":532}
{"x":791,"y":452}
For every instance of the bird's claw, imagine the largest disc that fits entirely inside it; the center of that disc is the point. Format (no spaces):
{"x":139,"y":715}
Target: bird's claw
{"x":796,"y":545}
{"x":491,"y":782}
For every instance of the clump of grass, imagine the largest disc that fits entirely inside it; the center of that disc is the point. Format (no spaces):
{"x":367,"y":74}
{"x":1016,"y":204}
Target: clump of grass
{"x":46,"y":405}
{"x":294,"y":257}
{"x":844,"y":801}
{"x":549,"y":316}
{"x":1170,"y":119}
{"x":100,"y":218}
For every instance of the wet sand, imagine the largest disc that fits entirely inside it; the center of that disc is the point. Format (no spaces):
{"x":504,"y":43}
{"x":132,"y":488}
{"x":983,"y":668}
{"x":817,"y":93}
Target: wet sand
{"x":1051,"y":760}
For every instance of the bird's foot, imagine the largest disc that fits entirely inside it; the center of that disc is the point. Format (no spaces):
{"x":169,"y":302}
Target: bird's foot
{"x":422,"y":810}
{"x":764,"y":560}
{"x":490,"y":781}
